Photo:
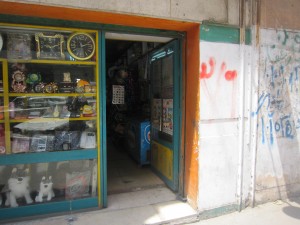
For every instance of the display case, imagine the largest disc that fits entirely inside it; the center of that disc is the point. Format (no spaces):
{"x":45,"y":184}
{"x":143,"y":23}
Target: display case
{"x":48,"y":118}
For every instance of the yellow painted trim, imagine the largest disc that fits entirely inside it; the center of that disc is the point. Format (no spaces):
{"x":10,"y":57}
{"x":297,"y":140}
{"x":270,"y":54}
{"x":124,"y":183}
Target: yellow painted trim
{"x":75,"y":56}
{"x":40,"y":120}
{"x":162,"y":159}
{"x":51,"y":94}
{"x":6,"y":106}
{"x":46,"y":28}
{"x":61,"y":62}
{"x":98,"y":122}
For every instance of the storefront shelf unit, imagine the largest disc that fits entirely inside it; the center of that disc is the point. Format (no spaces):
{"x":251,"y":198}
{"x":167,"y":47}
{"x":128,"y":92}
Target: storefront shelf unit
{"x":57,"y":62}
{"x":41,"y":157}
{"x":49,"y":120}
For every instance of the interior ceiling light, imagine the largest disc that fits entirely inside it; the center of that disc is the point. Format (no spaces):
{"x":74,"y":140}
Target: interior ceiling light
{"x":134,"y":37}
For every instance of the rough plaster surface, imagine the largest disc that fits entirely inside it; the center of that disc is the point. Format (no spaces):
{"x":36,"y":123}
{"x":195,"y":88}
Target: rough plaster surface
{"x":280,"y":14}
{"x":220,"y":65}
{"x":218,"y":164}
{"x":277,"y":113}
{"x":221,"y":11}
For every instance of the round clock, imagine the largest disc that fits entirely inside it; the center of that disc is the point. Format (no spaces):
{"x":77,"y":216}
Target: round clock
{"x":81,"y":46}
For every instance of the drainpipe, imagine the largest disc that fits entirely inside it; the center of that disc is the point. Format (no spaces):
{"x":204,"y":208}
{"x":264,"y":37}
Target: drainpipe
{"x":254,"y":70}
{"x":242,"y":105}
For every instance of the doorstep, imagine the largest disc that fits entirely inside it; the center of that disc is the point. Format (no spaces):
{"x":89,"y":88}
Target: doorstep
{"x":149,"y":207}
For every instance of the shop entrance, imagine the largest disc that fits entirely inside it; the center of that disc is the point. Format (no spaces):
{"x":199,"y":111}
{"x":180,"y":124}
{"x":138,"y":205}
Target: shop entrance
{"x":142,"y":112}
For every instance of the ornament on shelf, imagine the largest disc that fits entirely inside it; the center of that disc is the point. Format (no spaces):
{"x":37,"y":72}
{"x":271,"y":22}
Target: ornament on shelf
{"x":46,"y":189}
{"x":18,"y":82}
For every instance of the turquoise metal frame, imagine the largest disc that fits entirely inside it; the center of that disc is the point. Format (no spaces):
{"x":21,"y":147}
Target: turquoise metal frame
{"x":103,"y":149}
{"x":176,"y":45}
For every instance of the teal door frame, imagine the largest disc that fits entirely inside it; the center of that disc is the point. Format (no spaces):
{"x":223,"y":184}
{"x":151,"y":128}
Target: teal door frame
{"x":178,"y":87}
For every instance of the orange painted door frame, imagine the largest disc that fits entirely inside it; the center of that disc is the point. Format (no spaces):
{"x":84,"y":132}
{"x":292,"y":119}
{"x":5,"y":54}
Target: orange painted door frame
{"x":190,"y":114}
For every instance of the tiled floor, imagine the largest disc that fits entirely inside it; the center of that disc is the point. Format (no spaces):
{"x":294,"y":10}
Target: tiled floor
{"x":125,"y":175}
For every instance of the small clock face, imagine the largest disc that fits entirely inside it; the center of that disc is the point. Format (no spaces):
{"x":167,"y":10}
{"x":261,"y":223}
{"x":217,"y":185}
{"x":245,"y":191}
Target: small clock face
{"x":49,"y":47}
{"x":18,"y":76}
{"x":81,"y":46}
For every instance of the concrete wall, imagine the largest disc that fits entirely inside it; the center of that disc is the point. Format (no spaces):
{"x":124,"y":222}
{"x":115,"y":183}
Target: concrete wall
{"x":221,"y":11}
{"x":280,"y":14}
{"x":278,"y":115}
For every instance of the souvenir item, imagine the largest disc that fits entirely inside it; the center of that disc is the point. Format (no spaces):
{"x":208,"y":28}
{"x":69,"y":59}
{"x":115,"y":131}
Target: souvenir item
{"x":87,"y":110}
{"x":18,"y":187}
{"x":18,"y":82}
{"x":41,"y":143}
{"x":78,"y":184}
{"x":66,"y":86}
{"x":56,"y":112}
{"x":46,"y":189}
{"x":81,"y":46}
{"x":51,"y":88}
{"x":20,"y":143}
{"x":88,"y":139}
{"x":87,"y":88}
{"x":80,"y":86}
{"x":18,"y":46}
{"x":39,"y":88}
{"x":2,"y":139}
{"x":49,"y":46}
{"x":32,"y":79}
{"x":1,"y":86}
{"x":66,"y":140}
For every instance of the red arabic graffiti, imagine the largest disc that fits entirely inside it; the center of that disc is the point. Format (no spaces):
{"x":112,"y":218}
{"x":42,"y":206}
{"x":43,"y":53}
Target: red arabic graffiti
{"x":203,"y":72}
{"x":229,"y":75}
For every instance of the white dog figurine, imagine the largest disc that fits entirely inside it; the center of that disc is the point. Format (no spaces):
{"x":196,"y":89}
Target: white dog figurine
{"x":45,"y":190}
{"x":18,"y":187}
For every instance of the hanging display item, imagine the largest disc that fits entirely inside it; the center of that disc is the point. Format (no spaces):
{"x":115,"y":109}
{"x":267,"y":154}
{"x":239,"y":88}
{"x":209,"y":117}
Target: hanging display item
{"x":49,"y":46}
{"x":18,"y":46}
{"x":81,"y":46}
{"x":118,"y":94}
{"x":168,"y":116}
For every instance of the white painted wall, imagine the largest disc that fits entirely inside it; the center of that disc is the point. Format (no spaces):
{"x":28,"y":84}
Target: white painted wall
{"x":218,"y":163}
{"x":220,"y":73}
{"x":278,"y":115}
{"x":222,"y":11}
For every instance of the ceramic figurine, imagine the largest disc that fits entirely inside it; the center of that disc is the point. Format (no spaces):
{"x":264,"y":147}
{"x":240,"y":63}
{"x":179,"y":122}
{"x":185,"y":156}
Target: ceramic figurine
{"x":46,"y":189}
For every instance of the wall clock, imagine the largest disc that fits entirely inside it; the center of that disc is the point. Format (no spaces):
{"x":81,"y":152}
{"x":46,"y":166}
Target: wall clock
{"x":18,"y":46}
{"x":49,"y":46}
{"x":81,"y":46}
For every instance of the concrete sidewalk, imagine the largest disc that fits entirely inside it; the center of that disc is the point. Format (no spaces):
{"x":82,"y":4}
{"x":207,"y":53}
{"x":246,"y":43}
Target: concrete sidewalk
{"x":275,"y":213}
{"x":159,"y":206}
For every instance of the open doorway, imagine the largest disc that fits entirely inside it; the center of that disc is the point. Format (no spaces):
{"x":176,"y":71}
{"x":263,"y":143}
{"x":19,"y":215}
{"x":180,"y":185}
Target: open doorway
{"x":141,"y":107}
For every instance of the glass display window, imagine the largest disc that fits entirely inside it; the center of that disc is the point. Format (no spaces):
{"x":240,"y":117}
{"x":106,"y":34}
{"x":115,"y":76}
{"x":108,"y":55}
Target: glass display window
{"x":32,"y":184}
{"x":49,"y":135}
